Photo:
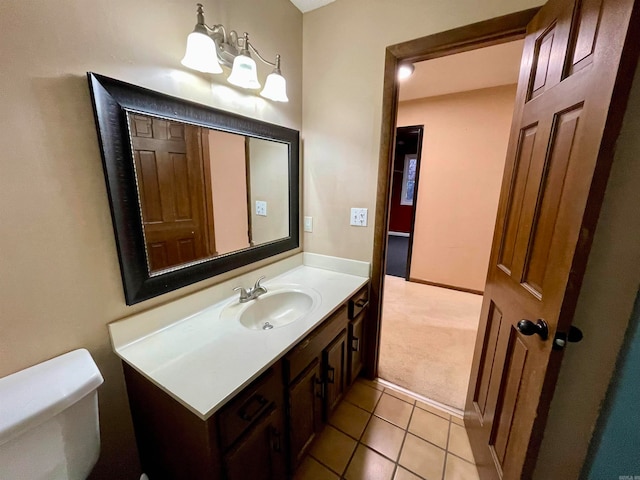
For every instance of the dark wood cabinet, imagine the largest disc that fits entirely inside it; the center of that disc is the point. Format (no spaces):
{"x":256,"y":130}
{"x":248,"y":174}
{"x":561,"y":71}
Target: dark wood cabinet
{"x":356,"y":346}
{"x":357,"y":312}
{"x":264,"y":432}
{"x":261,"y":454}
{"x":305,"y":411}
{"x":334,"y":363}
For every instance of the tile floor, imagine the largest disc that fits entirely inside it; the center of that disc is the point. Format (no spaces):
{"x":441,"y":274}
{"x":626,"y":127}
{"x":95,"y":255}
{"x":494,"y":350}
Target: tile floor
{"x":378,"y":433}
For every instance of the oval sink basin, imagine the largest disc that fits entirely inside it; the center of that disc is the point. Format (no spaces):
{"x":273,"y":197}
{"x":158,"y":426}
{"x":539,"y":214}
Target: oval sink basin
{"x":276,"y":308}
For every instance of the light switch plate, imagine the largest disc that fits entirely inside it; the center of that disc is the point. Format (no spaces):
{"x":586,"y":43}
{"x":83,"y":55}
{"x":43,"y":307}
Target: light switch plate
{"x":308,"y":224}
{"x":359,"y":217}
{"x":261,"y":208}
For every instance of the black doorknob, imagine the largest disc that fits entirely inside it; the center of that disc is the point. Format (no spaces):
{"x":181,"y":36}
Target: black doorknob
{"x":528,"y":328}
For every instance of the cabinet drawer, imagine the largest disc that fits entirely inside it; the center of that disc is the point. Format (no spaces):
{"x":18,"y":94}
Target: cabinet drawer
{"x":359,"y":302}
{"x":248,"y":406}
{"x":298,"y":359}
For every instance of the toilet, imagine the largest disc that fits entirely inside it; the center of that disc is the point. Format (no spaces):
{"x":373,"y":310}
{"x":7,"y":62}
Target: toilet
{"x":49,"y":420}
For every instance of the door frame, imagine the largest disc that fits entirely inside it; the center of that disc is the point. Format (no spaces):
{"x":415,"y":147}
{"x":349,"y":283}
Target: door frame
{"x":420,"y":135}
{"x":469,"y":37}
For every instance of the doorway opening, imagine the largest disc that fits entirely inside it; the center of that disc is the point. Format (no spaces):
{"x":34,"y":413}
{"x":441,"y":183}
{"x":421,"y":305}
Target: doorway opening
{"x":406,"y":170}
{"x":431,"y":304}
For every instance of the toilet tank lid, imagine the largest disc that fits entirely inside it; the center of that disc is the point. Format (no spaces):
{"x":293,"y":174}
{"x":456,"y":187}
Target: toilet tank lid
{"x":36,"y":394}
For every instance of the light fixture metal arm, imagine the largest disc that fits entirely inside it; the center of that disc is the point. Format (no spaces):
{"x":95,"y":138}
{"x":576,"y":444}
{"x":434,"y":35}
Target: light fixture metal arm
{"x":275,"y":64}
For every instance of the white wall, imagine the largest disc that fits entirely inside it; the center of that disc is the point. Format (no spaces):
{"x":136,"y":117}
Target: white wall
{"x":59,"y":276}
{"x":344,"y":49}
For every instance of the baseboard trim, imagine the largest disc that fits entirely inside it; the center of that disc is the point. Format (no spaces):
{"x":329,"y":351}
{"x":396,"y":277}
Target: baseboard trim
{"x":447,"y":408}
{"x":443,"y":285}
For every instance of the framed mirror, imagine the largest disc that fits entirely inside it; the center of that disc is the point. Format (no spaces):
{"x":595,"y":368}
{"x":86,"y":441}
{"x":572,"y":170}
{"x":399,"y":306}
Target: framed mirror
{"x":194,"y":191}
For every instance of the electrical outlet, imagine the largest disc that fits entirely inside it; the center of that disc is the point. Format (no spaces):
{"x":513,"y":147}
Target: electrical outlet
{"x":308,"y":224}
{"x":359,"y":217}
{"x":261,"y":208}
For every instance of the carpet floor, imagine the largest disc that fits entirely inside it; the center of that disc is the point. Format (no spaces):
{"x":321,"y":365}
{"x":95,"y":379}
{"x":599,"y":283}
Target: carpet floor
{"x":427,"y":339}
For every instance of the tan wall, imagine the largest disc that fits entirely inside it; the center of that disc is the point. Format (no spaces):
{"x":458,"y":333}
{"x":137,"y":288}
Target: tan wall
{"x":269,"y":183}
{"x":342,"y":97}
{"x":59,"y":277}
{"x":463,"y":154}
{"x":229,"y":186}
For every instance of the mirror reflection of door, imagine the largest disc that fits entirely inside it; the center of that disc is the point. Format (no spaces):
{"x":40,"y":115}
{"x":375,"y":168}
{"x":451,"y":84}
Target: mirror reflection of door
{"x":205,"y":193}
{"x":168,"y":159}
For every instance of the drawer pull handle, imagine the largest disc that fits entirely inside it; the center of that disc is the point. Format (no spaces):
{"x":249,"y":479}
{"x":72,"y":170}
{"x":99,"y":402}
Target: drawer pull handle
{"x":304,"y":344}
{"x":362,"y":302}
{"x":355,"y":344}
{"x":331,"y":374}
{"x":321,"y":384}
{"x":276,"y":443}
{"x":260,"y":403}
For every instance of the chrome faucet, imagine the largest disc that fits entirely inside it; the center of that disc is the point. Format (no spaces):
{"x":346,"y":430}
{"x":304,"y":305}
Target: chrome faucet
{"x":248,"y":294}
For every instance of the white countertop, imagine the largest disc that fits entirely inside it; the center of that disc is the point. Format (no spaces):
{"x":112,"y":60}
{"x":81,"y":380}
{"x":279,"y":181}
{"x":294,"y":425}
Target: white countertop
{"x":203,"y":360}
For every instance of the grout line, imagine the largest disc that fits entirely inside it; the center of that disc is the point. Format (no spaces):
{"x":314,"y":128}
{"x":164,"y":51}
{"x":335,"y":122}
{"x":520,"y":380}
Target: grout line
{"x":358,"y":442}
{"x":446,"y":451}
{"x":404,"y":439}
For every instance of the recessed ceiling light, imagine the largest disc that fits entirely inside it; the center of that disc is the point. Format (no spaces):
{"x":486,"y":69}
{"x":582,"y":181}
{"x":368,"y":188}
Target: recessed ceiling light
{"x":405,"y":70}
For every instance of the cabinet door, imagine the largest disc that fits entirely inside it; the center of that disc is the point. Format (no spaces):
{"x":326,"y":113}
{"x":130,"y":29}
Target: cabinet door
{"x":305,"y":412}
{"x":261,"y":454}
{"x":356,"y":347}
{"x":334,"y":360}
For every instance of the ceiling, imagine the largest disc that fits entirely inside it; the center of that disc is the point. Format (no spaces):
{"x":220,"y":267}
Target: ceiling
{"x":307,"y":5}
{"x":481,"y":68}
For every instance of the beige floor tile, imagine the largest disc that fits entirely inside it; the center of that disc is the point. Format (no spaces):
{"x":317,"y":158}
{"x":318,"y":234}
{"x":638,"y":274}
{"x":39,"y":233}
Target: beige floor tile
{"x":429,"y":427}
{"x":423,"y":458}
{"x":310,"y":469}
{"x":369,"y":465}
{"x":432,"y":409}
{"x":350,"y":419}
{"x":457,"y":420}
{"x":371,"y":383}
{"x":400,"y":395}
{"x":383,"y":437}
{"x":404,"y":474}
{"x":363,"y":396}
{"x":458,"y":469}
{"x":459,"y":442}
{"x":333,"y":449}
{"x":394,"y":410}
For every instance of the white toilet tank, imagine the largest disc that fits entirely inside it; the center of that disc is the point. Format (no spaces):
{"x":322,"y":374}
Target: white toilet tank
{"x":49,"y":420}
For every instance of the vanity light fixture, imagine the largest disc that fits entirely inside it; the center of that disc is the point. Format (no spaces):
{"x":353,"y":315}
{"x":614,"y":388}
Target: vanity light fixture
{"x":210,"y":47}
{"x":405,"y":70}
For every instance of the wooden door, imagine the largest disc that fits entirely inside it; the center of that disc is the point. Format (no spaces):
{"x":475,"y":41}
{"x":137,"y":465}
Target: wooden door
{"x":261,"y":454}
{"x":169,"y":171}
{"x":305,"y":412}
{"x":335,"y":371}
{"x":576,"y":71}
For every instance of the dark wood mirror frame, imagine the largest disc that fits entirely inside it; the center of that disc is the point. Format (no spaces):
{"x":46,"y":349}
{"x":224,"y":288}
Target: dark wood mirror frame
{"x":111,"y":98}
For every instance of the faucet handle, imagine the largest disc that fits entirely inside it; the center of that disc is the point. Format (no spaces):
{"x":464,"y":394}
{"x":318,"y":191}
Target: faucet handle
{"x":244,"y":294}
{"x":257,"y":285}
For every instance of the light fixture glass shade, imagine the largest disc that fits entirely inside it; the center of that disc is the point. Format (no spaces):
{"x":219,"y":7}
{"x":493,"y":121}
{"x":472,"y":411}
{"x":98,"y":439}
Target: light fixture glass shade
{"x":405,"y":71}
{"x":201,"y":53}
{"x":275,"y":88}
{"x":244,"y":72}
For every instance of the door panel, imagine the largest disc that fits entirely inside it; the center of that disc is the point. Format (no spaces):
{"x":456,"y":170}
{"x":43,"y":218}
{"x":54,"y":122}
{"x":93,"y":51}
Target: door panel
{"x":305,"y":413}
{"x":558,"y":158}
{"x":334,"y":358}
{"x":170,"y":170}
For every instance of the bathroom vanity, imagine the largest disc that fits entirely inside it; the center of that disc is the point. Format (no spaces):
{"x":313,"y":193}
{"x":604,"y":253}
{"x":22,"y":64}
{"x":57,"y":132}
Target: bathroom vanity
{"x":215,"y":397}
